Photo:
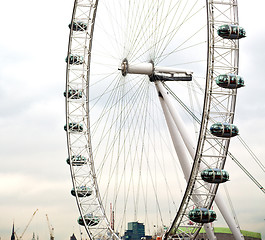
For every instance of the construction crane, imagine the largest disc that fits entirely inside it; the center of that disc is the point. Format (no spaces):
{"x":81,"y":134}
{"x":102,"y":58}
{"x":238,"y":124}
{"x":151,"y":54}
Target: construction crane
{"x":21,"y":236}
{"x":51,"y":229}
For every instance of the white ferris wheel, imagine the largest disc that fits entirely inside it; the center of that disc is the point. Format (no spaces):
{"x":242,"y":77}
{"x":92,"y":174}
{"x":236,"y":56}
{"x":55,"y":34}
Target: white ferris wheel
{"x":150,"y":97}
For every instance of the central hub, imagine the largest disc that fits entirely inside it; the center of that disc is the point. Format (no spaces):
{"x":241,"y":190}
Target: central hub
{"x":155,"y":73}
{"x":136,"y":68}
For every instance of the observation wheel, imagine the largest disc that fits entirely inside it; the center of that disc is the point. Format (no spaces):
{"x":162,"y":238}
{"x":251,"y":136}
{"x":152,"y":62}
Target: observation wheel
{"x":150,"y":101}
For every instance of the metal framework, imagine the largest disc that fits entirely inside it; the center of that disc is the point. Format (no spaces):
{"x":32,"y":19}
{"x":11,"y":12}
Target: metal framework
{"x":77,"y":111}
{"x":211,"y":151}
{"x":219,"y":106}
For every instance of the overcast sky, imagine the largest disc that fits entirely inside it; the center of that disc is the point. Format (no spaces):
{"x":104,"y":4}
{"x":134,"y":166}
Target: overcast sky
{"x":34,"y":174}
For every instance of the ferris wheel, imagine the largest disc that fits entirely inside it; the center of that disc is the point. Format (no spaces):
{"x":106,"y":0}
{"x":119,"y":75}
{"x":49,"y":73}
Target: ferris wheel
{"x":150,"y":97}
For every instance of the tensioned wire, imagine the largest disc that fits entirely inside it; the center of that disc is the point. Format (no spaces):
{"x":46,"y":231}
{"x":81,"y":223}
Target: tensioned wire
{"x":130,"y":100}
{"x":116,"y":88}
{"x":162,"y":35}
{"x":177,"y":27}
{"x":178,"y":49}
{"x":138,"y":27}
{"x":168,"y":53}
{"x":156,"y":29}
{"x":191,"y":113}
{"x":134,"y":28}
{"x":122,"y":117}
{"x":118,"y":115}
{"x":135,"y":23}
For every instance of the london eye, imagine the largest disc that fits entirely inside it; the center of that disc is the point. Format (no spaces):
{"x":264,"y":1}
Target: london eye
{"x":150,"y":94}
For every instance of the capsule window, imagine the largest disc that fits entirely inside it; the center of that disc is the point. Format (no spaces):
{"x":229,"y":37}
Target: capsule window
{"x":226,"y":129}
{"x":234,"y":129}
{"x":218,"y":176}
{"x":218,"y":127}
{"x":234,"y":30}
{"x":242,"y":31}
{"x":233,"y":80}
{"x":225,"y":174}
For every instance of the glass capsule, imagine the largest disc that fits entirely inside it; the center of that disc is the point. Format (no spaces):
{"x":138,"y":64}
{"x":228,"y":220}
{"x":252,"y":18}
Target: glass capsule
{"x":78,"y":26}
{"x":225,"y":130}
{"x":74,"y":127}
{"x":82,"y":191}
{"x":202,"y":215}
{"x":89,"y":219}
{"x":74,"y":59}
{"x":230,"y":31}
{"x":230,"y":81}
{"x":215,"y":175}
{"x":73,"y":94}
{"x":77,"y":160}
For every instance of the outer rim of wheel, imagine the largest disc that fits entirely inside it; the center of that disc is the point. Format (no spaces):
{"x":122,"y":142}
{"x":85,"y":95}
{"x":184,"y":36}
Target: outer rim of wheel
{"x":89,"y":37}
{"x":90,"y":16}
{"x":223,"y":144}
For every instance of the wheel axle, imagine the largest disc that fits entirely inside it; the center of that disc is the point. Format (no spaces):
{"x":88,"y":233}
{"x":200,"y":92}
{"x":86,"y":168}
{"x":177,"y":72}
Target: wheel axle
{"x":155,"y":73}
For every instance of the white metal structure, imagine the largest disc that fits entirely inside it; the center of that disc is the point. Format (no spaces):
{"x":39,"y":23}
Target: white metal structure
{"x":118,"y":134}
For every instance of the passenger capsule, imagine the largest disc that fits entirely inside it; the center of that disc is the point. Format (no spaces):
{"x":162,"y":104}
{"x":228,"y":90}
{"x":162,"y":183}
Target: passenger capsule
{"x":202,"y":215}
{"x":230,"y":81}
{"x":78,"y":26}
{"x":231,"y":32}
{"x":74,"y":127}
{"x":82,"y":191}
{"x":73,"y":94}
{"x":215,"y":175}
{"x":89,"y":219}
{"x":77,"y":160}
{"x":75,"y":59}
{"x":225,"y":130}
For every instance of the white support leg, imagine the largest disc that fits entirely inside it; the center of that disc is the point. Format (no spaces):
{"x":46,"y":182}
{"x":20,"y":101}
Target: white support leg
{"x":190,"y":146}
{"x":178,"y":143}
{"x":177,"y":120}
{"x":183,"y":158}
{"x":228,"y":217}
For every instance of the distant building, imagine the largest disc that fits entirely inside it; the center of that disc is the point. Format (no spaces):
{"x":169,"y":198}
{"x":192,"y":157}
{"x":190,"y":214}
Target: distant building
{"x":226,"y":234}
{"x":73,"y":237}
{"x":135,"y":231}
{"x":33,"y":237}
{"x":13,"y":233}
